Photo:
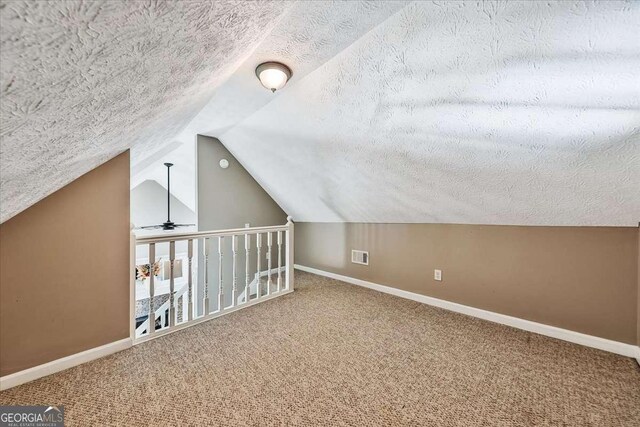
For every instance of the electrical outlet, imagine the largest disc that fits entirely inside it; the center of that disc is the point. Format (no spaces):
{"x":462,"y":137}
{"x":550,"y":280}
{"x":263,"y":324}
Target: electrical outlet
{"x":437,"y":275}
{"x":247,"y":225}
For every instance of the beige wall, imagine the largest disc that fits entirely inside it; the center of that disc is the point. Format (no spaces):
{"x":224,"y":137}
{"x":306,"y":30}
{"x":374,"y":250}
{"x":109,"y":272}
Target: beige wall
{"x":64,"y":270}
{"x":231,"y":198}
{"x":583,"y":279}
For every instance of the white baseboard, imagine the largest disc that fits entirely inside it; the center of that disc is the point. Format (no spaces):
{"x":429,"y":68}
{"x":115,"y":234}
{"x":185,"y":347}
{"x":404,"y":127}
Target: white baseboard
{"x":515,"y":322}
{"x":58,"y":365}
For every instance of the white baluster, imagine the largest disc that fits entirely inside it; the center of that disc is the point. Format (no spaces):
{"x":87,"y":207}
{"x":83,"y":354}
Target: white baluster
{"x":258,"y":245}
{"x":247,"y":281}
{"x":152,"y":314}
{"x":279,"y":260}
{"x":234,"y":291}
{"x":190,"y":282}
{"x":163,"y":319}
{"x":182,"y":304}
{"x":172,"y":291}
{"x":220,"y":285}
{"x":185,"y":307}
{"x":269,"y":242}
{"x":132,"y":282}
{"x":206,"y":276}
{"x":289,"y":280}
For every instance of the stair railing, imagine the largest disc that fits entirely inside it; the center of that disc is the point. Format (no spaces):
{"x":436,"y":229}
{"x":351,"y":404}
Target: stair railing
{"x":162,"y":313}
{"x":206,"y":295}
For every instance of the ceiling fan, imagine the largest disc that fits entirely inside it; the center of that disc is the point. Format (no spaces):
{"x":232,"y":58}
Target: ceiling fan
{"x":168,"y":224}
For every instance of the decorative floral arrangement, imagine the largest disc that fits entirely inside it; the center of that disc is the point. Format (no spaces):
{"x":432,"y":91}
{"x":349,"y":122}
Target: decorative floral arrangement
{"x":143,"y":271}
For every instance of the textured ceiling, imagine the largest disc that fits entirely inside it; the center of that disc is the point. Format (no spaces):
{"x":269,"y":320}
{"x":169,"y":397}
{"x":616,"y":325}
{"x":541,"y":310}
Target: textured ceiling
{"x":308,"y":35}
{"x":468,"y":112}
{"x":81,"y":81}
{"x":476,"y":112}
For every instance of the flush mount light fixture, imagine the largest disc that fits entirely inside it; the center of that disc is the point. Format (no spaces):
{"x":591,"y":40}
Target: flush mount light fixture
{"x":273,"y":75}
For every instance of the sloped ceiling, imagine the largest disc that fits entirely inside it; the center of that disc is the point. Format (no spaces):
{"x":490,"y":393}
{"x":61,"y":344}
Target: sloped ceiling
{"x":476,"y":112}
{"x":459,"y":112}
{"x":81,"y":81}
{"x":307,"y":35}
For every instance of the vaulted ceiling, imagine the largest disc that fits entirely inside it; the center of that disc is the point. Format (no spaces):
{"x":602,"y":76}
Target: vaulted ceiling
{"x":82,"y":81}
{"x":460,"y":112}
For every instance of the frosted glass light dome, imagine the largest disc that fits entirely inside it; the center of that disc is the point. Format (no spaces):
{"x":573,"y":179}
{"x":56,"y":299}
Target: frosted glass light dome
{"x":273,"y":75}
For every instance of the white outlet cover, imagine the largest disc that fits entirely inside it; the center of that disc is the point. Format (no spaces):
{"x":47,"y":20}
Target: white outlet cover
{"x":437,"y":275}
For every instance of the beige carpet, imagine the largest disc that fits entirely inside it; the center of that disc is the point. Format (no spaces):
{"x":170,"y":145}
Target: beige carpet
{"x":335,"y":354}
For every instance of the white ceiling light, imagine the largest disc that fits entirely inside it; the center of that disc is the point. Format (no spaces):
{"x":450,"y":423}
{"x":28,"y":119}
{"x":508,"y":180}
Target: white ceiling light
{"x":273,"y":75}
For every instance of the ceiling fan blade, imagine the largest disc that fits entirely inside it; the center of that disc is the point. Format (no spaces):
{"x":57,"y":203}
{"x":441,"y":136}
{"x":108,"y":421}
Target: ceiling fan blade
{"x":168,"y":225}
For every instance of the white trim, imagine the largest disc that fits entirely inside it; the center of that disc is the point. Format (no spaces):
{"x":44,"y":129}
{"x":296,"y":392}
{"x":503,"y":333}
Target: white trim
{"x":638,"y":354}
{"x":515,"y":322}
{"x":173,"y":237}
{"x":272,"y":272}
{"x":159,"y":312}
{"x":132,"y":283}
{"x":58,"y":365}
{"x":254,"y":282}
{"x":289,"y":277}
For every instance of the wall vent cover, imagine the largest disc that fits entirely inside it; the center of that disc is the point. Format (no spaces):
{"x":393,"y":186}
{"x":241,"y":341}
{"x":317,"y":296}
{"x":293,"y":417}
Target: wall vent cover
{"x":359,"y":257}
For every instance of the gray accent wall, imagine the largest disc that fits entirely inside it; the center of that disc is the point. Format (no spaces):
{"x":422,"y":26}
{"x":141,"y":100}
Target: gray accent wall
{"x":230,"y":198}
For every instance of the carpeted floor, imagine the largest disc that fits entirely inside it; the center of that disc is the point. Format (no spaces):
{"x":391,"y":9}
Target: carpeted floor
{"x":334,"y":354}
